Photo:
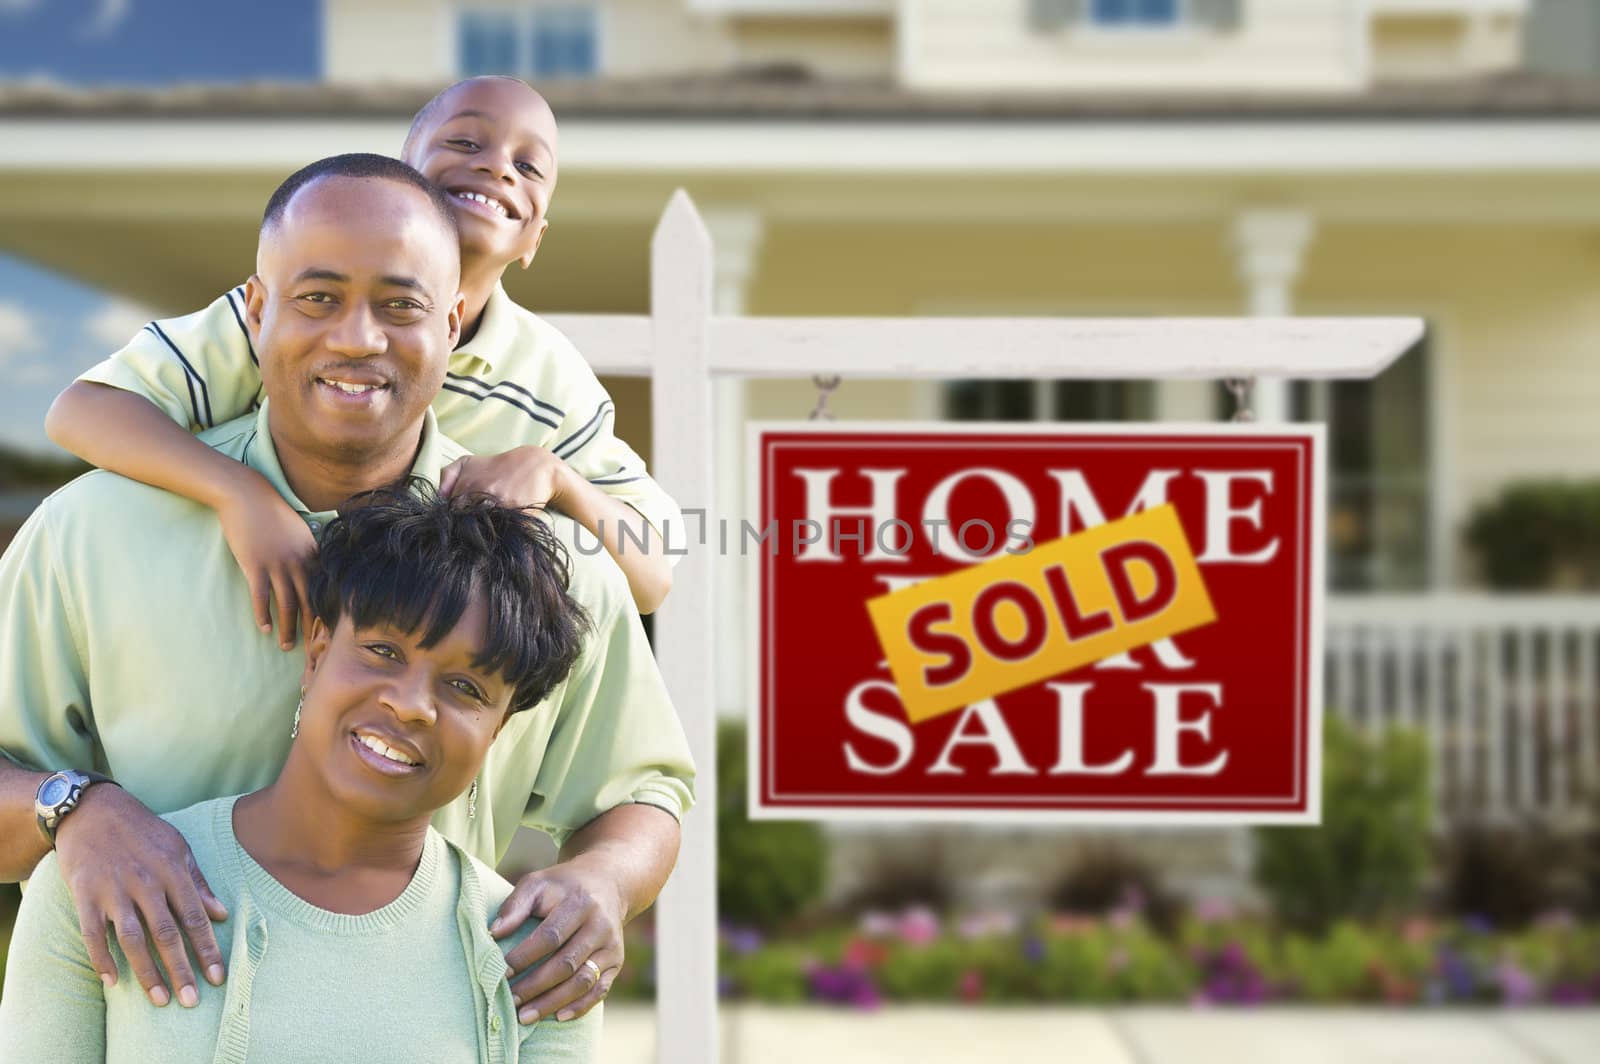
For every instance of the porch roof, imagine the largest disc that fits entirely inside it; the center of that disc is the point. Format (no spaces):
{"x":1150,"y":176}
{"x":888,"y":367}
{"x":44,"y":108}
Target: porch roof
{"x":778,"y":93}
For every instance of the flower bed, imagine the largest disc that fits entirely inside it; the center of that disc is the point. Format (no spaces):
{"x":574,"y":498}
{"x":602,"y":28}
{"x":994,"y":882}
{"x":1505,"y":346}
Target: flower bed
{"x":1213,"y":959}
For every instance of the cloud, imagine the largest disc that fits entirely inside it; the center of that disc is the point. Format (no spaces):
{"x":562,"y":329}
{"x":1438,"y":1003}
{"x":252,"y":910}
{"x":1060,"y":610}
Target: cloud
{"x":19,"y":333}
{"x":17,"y":7}
{"x":114,"y":324}
{"x":110,"y":15}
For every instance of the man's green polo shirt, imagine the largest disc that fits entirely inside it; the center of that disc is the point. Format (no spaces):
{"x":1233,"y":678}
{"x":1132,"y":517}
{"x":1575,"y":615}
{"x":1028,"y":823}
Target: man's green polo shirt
{"x":129,"y":647}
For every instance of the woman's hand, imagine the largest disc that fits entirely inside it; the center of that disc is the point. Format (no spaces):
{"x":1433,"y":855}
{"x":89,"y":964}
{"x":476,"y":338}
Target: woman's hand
{"x":274,"y":548}
{"x":125,"y":866}
{"x":580,"y":939}
{"x":521,"y":477}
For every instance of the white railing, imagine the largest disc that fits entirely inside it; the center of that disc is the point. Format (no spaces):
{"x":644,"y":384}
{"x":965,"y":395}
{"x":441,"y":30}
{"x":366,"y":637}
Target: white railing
{"x":1503,"y":686}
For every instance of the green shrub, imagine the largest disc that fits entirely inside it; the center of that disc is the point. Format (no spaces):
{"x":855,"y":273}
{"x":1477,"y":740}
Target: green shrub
{"x":767,"y":871}
{"x":1538,"y":533}
{"x":774,"y":975}
{"x":1368,"y":857}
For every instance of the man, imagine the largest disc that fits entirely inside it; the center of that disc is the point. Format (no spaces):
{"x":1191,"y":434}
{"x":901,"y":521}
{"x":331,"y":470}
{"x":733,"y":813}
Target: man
{"x":126,"y":638}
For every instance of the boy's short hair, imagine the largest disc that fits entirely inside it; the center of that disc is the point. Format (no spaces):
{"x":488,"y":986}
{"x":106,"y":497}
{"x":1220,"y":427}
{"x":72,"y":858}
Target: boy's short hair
{"x":405,"y":558}
{"x":424,"y":113}
{"x":359,"y":165}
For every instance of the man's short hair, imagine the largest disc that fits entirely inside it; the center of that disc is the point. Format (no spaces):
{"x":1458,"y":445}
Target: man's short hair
{"x":405,"y":558}
{"x":358,"y":165}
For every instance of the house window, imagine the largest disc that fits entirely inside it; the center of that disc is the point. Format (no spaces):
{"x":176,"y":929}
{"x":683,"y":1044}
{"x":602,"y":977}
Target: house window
{"x":1378,"y":463}
{"x":1057,"y":16}
{"x":531,"y":41}
{"x":1049,"y":400}
{"x":564,"y":42}
{"x":487,"y":42}
{"x":1136,"y":13}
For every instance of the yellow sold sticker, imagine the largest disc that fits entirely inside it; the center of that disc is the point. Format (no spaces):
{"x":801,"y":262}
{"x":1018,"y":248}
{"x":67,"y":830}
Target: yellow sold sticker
{"x":1023,"y":618}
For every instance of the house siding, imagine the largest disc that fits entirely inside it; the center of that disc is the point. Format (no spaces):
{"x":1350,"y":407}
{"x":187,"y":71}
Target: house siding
{"x":396,"y":41}
{"x":1282,"y":45}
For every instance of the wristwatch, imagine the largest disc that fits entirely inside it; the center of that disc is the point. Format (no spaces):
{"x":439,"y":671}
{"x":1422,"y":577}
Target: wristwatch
{"x":59,"y":795}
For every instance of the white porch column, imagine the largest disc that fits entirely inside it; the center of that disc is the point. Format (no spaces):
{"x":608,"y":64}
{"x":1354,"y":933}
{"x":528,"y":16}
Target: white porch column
{"x":736,"y":241}
{"x":1269,"y":246}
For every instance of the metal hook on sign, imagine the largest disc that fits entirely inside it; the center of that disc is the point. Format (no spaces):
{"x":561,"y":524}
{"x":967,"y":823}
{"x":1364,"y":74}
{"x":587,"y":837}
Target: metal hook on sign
{"x":825,"y":388}
{"x":1241,"y":388}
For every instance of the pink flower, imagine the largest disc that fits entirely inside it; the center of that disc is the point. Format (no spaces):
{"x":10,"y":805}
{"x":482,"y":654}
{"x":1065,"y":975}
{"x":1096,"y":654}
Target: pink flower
{"x":1213,"y":910}
{"x":1556,"y":920}
{"x":971,"y":987}
{"x":987,"y":924}
{"x":919,"y":926}
{"x":1517,"y":987}
{"x":1417,"y":929}
{"x":878,"y":924}
{"x":1072,"y":924}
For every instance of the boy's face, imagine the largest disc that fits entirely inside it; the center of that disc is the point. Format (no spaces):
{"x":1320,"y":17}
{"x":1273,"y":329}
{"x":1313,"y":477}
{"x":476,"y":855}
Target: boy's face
{"x":491,"y":139}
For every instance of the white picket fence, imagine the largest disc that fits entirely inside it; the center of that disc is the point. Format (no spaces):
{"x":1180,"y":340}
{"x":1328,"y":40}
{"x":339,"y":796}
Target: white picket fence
{"x":683,"y":346}
{"x":1503,"y":687}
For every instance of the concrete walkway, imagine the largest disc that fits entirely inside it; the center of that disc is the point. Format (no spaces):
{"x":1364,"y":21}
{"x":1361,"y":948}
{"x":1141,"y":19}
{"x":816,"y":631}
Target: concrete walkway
{"x":946,"y":1035}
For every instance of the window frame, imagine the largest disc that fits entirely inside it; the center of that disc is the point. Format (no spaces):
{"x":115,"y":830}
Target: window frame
{"x":526,"y":17}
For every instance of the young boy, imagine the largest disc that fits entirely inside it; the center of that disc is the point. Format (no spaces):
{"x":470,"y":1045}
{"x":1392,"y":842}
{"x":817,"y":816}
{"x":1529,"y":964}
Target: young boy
{"x":518,"y":394}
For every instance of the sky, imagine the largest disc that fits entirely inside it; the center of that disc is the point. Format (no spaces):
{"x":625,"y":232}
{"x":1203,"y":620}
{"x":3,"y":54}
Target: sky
{"x":51,"y":327}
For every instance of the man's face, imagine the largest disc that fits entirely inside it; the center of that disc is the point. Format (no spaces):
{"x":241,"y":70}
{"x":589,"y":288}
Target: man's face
{"x":492,"y":139}
{"x":354,"y":310}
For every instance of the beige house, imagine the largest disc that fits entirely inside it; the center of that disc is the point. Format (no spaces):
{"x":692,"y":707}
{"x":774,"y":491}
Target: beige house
{"x":1003,"y":157}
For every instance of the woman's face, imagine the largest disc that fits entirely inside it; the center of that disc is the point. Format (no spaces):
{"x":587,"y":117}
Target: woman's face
{"x":395,"y":730}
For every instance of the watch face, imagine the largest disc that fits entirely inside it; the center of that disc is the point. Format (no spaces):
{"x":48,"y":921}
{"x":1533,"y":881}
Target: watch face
{"x":55,"y":791}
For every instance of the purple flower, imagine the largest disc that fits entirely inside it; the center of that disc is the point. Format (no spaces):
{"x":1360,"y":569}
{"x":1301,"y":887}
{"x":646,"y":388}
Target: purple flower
{"x":1571,"y":994}
{"x":744,"y":939}
{"x":1033,"y":948}
{"x":1460,"y":981}
{"x":1478,"y":924}
{"x":843,"y":986}
{"x":1517,"y":986}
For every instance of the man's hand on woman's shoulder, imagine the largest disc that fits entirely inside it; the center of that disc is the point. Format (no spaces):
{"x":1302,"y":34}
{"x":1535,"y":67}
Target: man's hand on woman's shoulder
{"x":126,"y":867}
{"x":579,"y":939}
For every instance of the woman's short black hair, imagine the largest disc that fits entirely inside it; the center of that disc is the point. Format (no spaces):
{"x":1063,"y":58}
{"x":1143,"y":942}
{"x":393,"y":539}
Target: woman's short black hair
{"x":411,"y":560}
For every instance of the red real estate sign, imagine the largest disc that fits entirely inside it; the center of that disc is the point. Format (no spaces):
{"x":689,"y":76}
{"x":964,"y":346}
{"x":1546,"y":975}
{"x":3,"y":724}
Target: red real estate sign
{"x":1219,"y":723}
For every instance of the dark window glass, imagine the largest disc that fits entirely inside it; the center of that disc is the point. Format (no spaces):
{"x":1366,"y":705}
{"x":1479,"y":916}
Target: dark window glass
{"x":487,"y":43}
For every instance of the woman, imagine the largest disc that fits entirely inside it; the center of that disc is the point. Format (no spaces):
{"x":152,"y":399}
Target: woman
{"x":355,"y":931}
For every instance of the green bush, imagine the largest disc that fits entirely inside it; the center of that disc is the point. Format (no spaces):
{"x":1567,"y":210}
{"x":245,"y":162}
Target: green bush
{"x":1368,"y":857}
{"x":767,"y":871}
{"x":1539,"y":533}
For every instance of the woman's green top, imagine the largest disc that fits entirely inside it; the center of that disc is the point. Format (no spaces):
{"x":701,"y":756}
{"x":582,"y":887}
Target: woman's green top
{"x":417,"y":980}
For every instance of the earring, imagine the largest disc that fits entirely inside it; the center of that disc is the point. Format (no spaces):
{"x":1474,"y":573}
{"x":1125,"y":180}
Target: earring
{"x":294,"y":733}
{"x":472,"y":800}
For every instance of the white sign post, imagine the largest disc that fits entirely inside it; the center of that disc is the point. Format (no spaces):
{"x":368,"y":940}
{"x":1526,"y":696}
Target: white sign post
{"x":681,"y":347}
